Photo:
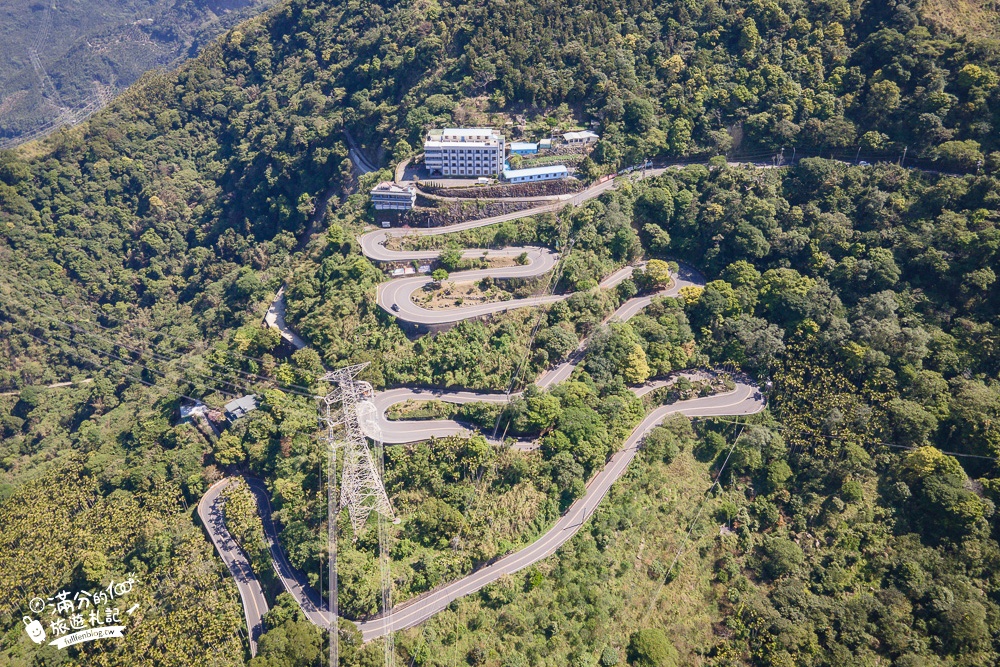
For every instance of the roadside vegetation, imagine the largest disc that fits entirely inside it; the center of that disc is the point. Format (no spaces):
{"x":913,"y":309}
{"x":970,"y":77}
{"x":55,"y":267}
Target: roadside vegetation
{"x":854,"y":524}
{"x":581,"y":608}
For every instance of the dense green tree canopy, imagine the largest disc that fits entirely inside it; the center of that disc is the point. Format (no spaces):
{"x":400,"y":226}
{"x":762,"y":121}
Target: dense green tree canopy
{"x":853,"y":523}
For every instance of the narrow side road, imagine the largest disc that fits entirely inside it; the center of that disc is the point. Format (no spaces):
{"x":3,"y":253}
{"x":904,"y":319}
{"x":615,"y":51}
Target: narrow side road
{"x":254,"y":602}
{"x":275,"y":319}
{"x":743,"y":400}
{"x":294,"y":581}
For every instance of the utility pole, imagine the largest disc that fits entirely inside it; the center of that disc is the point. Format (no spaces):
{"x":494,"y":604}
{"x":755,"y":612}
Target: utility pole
{"x":857,"y":158}
{"x":362,"y":490}
{"x":332,"y":509}
{"x":902,"y":161}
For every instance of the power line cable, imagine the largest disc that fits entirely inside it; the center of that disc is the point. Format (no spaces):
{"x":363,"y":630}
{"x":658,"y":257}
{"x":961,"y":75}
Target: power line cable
{"x":140,"y":353}
{"x":208,"y":388}
{"x":516,"y":375}
{"x":226,"y":372}
{"x":694,"y":523}
{"x":105,"y":367}
{"x":876,"y":441}
{"x":158,"y":332}
{"x":164,"y":334}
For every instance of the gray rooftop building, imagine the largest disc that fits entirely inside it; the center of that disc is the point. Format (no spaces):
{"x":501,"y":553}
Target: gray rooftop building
{"x":239,"y":407}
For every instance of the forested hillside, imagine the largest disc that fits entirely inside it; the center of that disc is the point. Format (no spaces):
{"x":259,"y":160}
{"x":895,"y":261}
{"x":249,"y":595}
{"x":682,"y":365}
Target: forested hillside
{"x":61,"y":60}
{"x":669,"y":78}
{"x":855,"y":521}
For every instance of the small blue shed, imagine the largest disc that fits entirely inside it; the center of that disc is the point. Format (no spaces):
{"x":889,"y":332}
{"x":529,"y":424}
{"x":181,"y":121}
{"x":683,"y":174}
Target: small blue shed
{"x":523,"y":148}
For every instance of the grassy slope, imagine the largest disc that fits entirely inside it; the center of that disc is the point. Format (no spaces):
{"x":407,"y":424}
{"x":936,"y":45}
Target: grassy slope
{"x":972,"y":19}
{"x":594,"y":595}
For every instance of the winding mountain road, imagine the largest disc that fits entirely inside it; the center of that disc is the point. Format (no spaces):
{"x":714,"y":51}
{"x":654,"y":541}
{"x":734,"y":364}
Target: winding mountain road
{"x":743,"y":400}
{"x":396,"y":432}
{"x":396,"y":296}
{"x":210,"y":511}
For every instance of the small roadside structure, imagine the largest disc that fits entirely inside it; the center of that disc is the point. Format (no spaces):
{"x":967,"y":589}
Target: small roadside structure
{"x":584,"y":138}
{"x":240,"y":407}
{"x":189,"y":411}
{"x":534,"y":174}
{"x":202,"y":417}
{"x":545,"y":145}
{"x":391,"y":197}
{"x":523,"y":148}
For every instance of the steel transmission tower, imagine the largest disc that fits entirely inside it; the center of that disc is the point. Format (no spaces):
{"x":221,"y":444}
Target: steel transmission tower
{"x":361,"y":488}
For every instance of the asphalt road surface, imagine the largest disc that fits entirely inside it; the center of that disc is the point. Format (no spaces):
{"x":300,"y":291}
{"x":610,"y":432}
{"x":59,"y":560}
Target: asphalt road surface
{"x":294,"y":581}
{"x":744,"y":399}
{"x":254,"y":602}
{"x":400,"y":292}
{"x":399,"y":432}
{"x":361,"y":163}
{"x":396,"y":432}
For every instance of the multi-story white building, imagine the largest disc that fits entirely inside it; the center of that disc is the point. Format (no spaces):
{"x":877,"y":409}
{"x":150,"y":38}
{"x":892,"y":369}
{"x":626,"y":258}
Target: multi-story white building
{"x":389,"y":196}
{"x":477,"y":151}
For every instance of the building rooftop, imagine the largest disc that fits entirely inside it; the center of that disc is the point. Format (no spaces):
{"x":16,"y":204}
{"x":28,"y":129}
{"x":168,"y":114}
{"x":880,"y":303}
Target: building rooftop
{"x":390,"y":187}
{"x":461,"y":135}
{"x":463,"y":144}
{"x":585,"y":134}
{"x":238,"y":407}
{"x":468,"y":131}
{"x":535,"y":171}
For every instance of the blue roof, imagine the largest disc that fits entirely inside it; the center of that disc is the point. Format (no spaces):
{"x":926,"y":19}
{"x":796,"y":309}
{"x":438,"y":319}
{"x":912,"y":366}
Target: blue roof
{"x":535,"y":171}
